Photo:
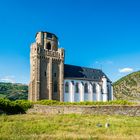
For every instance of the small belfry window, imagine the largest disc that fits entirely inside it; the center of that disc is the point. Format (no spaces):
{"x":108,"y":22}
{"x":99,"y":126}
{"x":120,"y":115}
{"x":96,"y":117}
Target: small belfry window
{"x":67,"y":87}
{"x":77,"y":88}
{"x":86,"y":88}
{"x":48,"y":46}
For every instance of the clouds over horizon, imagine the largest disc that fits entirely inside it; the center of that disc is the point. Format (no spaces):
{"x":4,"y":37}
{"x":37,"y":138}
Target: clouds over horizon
{"x":10,"y":79}
{"x":126,"y":70}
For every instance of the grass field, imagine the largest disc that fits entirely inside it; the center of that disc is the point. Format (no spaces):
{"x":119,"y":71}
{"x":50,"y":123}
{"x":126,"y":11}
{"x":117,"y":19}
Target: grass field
{"x":67,"y":127}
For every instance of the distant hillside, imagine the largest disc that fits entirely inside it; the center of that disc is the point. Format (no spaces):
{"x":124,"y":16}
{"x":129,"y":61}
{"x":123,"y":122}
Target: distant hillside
{"x":13,"y":91}
{"x":128,"y":87}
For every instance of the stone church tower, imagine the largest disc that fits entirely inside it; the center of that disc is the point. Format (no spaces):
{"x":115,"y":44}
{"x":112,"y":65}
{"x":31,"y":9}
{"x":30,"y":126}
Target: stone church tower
{"x":46,"y":68}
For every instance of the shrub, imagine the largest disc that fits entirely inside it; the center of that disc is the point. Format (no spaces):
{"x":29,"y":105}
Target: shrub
{"x":14,"y":107}
{"x":21,"y":106}
{"x":5,"y":105}
{"x":114,"y":102}
{"x":24,"y":104}
{"x":48,"y":102}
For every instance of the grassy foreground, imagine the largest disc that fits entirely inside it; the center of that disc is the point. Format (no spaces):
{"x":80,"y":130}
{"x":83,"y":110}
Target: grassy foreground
{"x":67,"y":127}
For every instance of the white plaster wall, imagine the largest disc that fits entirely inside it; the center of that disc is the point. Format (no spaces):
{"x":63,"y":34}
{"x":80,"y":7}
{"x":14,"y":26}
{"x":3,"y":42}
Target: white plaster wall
{"x":98,"y":94}
{"x":87,"y":96}
{"x":72,"y":96}
{"x":104,"y":88}
{"x":94,"y":96}
{"x":66,"y":97}
{"x":77,"y":97}
{"x":81,"y":91}
{"x":72,"y":93}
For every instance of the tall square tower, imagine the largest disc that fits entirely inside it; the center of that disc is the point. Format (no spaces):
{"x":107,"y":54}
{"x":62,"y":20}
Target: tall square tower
{"x":46,"y":68}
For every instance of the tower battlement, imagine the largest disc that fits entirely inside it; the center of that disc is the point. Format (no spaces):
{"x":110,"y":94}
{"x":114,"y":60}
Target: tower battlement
{"x":47,"y":40}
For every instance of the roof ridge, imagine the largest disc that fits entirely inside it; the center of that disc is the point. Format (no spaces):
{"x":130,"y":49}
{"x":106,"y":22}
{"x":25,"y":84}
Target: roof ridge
{"x":84,"y":67}
{"x":72,"y":71}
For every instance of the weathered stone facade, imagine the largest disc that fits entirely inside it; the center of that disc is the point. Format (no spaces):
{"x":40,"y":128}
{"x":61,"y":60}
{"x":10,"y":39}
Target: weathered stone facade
{"x":46,"y":68}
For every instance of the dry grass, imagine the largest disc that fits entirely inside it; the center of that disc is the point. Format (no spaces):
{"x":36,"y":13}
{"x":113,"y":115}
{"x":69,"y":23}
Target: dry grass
{"x":67,"y":127}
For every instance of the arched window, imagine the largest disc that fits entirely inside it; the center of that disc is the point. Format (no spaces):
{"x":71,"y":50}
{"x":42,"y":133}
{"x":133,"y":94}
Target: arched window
{"x":94,"y":88}
{"x":86,"y":88}
{"x":55,"y":86}
{"x":67,"y":87}
{"x":48,"y":46}
{"x":77,"y":88}
{"x":108,"y":88}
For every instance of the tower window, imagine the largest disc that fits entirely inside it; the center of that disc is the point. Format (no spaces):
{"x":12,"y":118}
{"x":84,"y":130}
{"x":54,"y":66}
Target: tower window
{"x":45,"y":74}
{"x":49,"y":35}
{"x":55,"y":86}
{"x":54,"y":74}
{"x":48,"y":46}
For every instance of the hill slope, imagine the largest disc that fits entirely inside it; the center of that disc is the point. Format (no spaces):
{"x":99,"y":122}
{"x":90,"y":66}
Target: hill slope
{"x":13,"y":91}
{"x":128,"y":87}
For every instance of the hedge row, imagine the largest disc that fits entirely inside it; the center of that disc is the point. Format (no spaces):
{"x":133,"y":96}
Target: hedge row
{"x":54,"y":102}
{"x":14,"y":107}
{"x":21,"y":106}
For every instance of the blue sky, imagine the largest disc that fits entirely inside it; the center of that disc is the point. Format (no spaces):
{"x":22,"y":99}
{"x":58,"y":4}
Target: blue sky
{"x":95,"y":33}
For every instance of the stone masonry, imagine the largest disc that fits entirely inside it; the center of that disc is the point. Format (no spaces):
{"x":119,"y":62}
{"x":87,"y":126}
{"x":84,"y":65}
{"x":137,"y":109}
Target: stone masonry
{"x":46,"y":68}
{"x":94,"y":110}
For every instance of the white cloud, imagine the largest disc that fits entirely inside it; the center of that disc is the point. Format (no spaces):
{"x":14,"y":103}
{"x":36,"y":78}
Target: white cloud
{"x":10,"y":79}
{"x":126,"y":70}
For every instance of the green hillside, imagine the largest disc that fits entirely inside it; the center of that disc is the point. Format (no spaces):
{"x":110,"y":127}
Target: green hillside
{"x":13,"y":91}
{"x":128,"y":87}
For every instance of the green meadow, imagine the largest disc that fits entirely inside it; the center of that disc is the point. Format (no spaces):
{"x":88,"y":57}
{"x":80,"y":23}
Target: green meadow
{"x":68,"y":127}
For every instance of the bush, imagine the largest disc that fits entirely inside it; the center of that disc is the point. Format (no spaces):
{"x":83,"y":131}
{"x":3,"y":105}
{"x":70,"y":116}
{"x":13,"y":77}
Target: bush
{"x":48,"y":102}
{"x":21,"y":106}
{"x":14,"y":107}
{"x":24,"y":104}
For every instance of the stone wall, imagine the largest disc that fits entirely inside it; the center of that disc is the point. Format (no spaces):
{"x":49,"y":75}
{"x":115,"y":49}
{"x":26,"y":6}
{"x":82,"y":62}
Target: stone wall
{"x":95,"y":110}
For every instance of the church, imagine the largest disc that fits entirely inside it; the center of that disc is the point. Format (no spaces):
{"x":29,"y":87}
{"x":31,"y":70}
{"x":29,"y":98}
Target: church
{"x":51,"y":79}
